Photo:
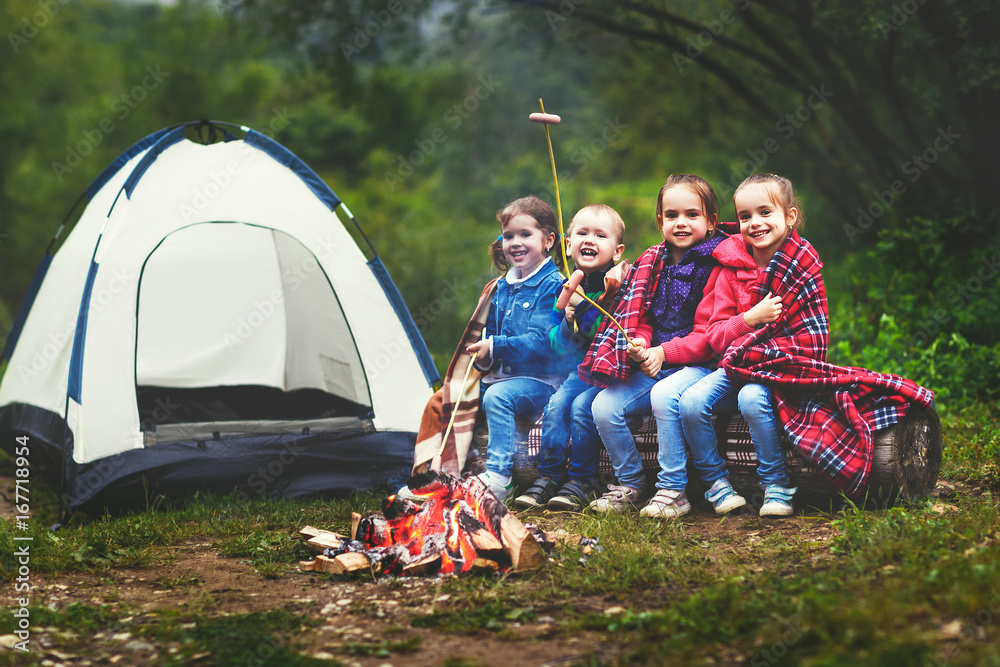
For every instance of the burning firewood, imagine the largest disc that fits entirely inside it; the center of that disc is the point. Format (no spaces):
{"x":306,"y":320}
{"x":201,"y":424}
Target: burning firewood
{"x":459,"y":526}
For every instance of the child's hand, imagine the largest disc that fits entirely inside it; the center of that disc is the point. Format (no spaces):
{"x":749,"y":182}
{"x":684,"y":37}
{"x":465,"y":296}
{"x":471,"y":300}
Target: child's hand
{"x":570,"y":313}
{"x":765,"y":312}
{"x":482,"y":348}
{"x":637,"y":351}
{"x":654,"y":361}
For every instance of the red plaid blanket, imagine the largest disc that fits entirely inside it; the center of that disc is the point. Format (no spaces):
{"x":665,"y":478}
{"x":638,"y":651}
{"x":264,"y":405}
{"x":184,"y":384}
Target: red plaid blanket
{"x":607,"y":362}
{"x":829,"y":412}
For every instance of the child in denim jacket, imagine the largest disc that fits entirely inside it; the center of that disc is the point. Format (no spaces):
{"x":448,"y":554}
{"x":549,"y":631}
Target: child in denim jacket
{"x":520,"y":372}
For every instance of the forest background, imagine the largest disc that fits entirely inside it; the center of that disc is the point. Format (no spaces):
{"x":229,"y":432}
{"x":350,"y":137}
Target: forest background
{"x":415,"y":113}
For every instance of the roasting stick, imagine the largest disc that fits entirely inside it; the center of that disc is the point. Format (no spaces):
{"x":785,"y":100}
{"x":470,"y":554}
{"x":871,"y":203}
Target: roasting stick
{"x":547,"y":119}
{"x":573,"y":286}
{"x":454,"y":413}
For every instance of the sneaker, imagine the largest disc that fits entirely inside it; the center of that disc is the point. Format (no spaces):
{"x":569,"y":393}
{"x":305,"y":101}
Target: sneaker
{"x":777,"y":500}
{"x":538,"y":494}
{"x":667,"y":504}
{"x":723,"y":497}
{"x":573,"y":496}
{"x":499,"y":485}
{"x":617,"y":499}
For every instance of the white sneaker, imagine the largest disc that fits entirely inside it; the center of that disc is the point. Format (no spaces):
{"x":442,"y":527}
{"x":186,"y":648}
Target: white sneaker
{"x":618,"y":499}
{"x":667,"y":504}
{"x":500,"y":485}
{"x":778,"y":500}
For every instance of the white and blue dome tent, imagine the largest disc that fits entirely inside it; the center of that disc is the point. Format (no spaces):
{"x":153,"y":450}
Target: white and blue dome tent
{"x":211,"y":324}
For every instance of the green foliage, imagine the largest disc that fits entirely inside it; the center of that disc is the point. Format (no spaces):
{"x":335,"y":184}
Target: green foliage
{"x":921,"y":305}
{"x":423,"y":133}
{"x":972,"y":448}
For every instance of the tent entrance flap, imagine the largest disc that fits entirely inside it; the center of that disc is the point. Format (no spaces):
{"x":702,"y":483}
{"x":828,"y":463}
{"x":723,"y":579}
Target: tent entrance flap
{"x":236,"y":322}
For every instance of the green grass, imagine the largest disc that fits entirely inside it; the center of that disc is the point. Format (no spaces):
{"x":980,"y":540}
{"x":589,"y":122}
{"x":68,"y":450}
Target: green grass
{"x":972,"y":446}
{"x":258,"y":638}
{"x":917,"y":583}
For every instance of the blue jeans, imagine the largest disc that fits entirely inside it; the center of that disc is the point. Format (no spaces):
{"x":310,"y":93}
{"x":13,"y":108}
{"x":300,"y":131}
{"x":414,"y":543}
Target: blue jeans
{"x":612,"y":409}
{"x":503,"y":402}
{"x":569,"y":414}
{"x":665,"y":401}
{"x":716,"y":394}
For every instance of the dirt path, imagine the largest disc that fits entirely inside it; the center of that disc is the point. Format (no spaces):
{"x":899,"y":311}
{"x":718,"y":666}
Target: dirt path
{"x":198,"y":582}
{"x":361,"y":612}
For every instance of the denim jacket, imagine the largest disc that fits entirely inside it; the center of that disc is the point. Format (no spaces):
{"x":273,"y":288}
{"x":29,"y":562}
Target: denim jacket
{"x":519,"y":323}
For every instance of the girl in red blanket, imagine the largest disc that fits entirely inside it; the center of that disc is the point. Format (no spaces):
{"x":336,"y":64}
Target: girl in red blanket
{"x":770,"y":318}
{"x":768,"y":215}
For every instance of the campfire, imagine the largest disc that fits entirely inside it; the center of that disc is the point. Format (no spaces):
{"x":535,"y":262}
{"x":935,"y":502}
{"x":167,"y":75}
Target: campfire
{"x":458,"y":527}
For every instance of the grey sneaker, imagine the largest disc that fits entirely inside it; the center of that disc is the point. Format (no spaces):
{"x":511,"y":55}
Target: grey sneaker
{"x":723,"y":497}
{"x":538,"y":494}
{"x":618,"y":499}
{"x":667,"y":504}
{"x":778,"y":500}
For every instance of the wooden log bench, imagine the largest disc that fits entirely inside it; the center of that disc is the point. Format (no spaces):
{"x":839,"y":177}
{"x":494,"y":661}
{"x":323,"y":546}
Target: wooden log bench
{"x":906,"y":461}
